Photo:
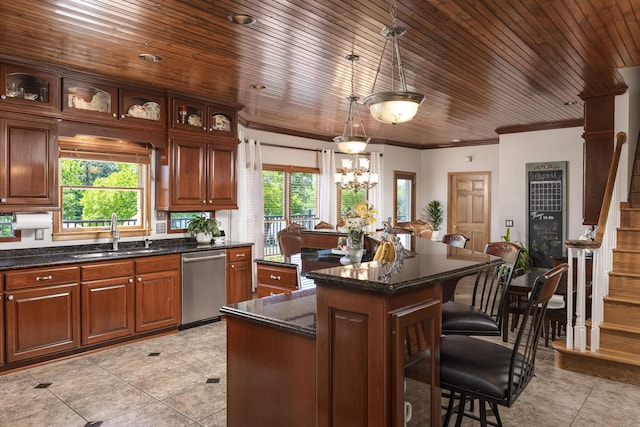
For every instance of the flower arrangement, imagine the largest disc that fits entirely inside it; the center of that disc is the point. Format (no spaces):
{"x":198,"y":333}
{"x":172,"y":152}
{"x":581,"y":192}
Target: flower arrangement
{"x":356,"y":220}
{"x":361,"y":210}
{"x":355,"y":228}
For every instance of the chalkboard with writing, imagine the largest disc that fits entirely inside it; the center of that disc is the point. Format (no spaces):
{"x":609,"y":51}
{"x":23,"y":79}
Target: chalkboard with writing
{"x":546,"y":207}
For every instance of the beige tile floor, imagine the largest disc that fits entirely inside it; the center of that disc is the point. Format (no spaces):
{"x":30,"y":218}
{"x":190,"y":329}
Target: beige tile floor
{"x":172,"y":381}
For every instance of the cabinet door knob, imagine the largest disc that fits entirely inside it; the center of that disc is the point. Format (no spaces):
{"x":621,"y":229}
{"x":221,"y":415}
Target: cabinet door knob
{"x":233,"y":266}
{"x":130,"y":280}
{"x":139,"y":279}
{"x":10,"y":297}
{"x":3,"y":200}
{"x":3,"y":96}
{"x":114,"y":115}
{"x":123,"y":116}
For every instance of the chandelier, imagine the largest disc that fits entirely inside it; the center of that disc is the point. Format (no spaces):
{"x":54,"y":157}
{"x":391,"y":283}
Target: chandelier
{"x":355,"y":175}
{"x":395,"y":106}
{"x":350,"y":142}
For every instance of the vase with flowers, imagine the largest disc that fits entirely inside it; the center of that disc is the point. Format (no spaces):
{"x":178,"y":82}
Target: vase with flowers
{"x":356,"y":219}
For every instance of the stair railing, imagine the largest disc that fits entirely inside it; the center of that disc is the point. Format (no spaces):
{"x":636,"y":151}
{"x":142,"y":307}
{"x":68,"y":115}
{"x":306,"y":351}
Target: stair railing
{"x":602,"y":249}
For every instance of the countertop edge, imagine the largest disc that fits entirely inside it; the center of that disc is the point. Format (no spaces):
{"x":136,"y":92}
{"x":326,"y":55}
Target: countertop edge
{"x":8,"y":263}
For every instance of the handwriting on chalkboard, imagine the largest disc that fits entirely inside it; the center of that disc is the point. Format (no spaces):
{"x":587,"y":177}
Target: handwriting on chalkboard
{"x":546,"y":211}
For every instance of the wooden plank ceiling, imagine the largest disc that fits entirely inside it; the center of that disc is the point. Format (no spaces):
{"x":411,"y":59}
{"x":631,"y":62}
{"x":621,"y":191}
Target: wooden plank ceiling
{"x":482,"y":64}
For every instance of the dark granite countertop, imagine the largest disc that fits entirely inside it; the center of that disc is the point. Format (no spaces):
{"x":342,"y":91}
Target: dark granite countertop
{"x":294,"y":311}
{"x":61,"y":255}
{"x":431,"y":262}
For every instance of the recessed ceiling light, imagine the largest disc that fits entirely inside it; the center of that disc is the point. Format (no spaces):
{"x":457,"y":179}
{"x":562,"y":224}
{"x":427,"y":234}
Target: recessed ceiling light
{"x":455,"y":140}
{"x":242,"y":19}
{"x":149,"y":57}
{"x":258,"y":86}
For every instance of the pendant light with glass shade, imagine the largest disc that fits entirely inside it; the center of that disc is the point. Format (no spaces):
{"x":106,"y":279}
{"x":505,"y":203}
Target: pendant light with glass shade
{"x":395,"y":106}
{"x":350,"y":142}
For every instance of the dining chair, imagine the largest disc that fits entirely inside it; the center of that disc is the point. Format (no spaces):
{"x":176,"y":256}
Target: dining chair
{"x":322,"y":225}
{"x":476,"y":369}
{"x":456,"y":240}
{"x":484,"y":315}
{"x":290,"y":242}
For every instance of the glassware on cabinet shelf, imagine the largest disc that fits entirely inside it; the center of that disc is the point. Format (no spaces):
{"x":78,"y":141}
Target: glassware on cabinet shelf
{"x":183,"y":112}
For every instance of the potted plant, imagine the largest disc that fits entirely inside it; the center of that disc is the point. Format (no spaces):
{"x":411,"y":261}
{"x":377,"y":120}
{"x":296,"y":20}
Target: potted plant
{"x":525,"y":262}
{"x":203,"y":228}
{"x":435,"y":216}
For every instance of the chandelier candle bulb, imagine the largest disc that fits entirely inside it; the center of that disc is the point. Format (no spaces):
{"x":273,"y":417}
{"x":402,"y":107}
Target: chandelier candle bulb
{"x":364,"y":163}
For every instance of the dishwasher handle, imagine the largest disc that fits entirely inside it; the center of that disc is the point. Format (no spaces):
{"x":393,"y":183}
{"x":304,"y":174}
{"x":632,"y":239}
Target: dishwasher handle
{"x":203,"y":258}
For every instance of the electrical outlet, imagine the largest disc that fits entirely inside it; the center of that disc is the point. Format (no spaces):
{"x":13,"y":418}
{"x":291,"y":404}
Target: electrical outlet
{"x":161,"y":215}
{"x":161,"y":228}
{"x":39,"y":234}
{"x":508,"y":223}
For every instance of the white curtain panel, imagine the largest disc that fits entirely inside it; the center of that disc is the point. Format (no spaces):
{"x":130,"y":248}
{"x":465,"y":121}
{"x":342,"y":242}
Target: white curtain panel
{"x":248,"y":220}
{"x":328,"y":192}
{"x":375,"y":194}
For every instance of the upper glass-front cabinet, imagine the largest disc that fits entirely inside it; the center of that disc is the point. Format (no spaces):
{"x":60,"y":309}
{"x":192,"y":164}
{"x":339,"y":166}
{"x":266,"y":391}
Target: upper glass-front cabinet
{"x":143,"y":108}
{"x":98,"y":101}
{"x":28,"y":87}
{"x":89,"y":99}
{"x":202,"y":117}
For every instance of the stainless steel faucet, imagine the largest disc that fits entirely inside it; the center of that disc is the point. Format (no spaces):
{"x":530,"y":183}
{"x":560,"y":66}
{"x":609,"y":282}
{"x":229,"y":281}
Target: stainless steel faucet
{"x":115,"y":234}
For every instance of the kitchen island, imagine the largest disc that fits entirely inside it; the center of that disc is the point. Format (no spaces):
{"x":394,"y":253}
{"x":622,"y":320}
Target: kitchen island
{"x":345,"y":364}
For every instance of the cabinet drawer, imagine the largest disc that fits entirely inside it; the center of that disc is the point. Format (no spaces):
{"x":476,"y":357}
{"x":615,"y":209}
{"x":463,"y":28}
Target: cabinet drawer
{"x":157,"y":263}
{"x":42,"y":277}
{"x":264,"y":290}
{"x":279,"y":276}
{"x":239,"y":254}
{"x":106,"y":270}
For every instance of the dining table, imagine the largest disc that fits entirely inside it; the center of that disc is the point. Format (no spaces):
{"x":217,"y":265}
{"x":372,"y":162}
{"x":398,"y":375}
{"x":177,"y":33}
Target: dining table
{"x":518,"y":293}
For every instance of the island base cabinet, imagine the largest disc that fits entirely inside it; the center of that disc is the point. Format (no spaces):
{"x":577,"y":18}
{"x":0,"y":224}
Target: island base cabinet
{"x":282,"y":391}
{"x":354,"y":354}
{"x":40,"y":321}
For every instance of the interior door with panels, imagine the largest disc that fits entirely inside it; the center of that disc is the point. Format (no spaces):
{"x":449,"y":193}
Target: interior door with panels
{"x":469,"y":207}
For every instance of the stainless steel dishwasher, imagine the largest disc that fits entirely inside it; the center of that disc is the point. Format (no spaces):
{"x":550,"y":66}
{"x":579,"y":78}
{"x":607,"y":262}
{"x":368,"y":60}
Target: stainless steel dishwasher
{"x":204,"y":286}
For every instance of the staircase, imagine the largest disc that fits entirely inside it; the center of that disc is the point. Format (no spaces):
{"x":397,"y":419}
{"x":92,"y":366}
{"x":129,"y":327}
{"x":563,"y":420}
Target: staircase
{"x":618,"y":357}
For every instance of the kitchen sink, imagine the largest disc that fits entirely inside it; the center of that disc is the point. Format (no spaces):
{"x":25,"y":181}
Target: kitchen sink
{"x":92,"y":255}
{"x":115,"y":254}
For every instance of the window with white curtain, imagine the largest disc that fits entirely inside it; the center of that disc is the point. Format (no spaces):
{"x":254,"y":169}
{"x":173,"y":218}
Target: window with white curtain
{"x":290,"y":196}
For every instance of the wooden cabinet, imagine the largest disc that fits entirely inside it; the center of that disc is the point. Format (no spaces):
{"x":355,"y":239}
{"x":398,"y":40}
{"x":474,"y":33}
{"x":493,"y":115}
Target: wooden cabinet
{"x":28,"y":164}
{"x":196,"y":174}
{"x":274,"y":280}
{"x":197,"y":116}
{"x":1,"y":323}
{"x":92,"y":101}
{"x":239,"y":274}
{"x":42,"y":312}
{"x":107,"y":295}
{"x":157,"y":298}
{"x":29,"y":89}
